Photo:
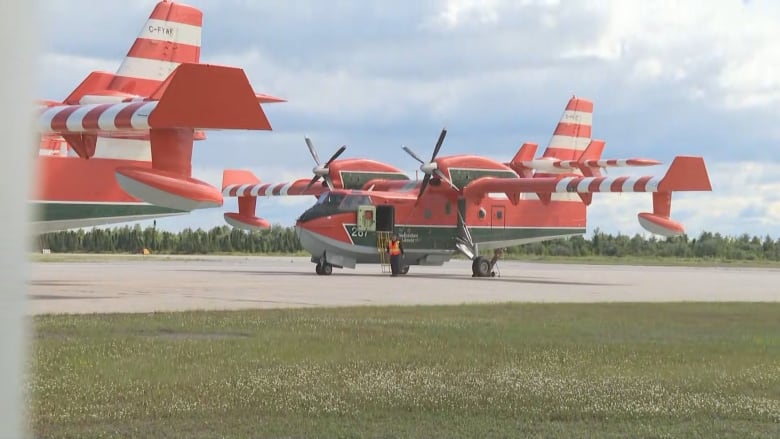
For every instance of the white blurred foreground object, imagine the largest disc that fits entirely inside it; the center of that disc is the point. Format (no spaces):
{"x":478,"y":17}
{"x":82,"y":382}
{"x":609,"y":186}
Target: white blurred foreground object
{"x":18,"y":49}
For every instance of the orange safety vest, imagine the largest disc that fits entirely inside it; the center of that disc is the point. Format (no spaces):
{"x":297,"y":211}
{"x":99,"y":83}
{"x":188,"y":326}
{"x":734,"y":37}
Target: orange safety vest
{"x":395,"y":248}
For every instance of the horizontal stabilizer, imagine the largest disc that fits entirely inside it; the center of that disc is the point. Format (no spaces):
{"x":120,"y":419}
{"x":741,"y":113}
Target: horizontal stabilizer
{"x":268,"y":99}
{"x":552,"y":164}
{"x":194,"y":96}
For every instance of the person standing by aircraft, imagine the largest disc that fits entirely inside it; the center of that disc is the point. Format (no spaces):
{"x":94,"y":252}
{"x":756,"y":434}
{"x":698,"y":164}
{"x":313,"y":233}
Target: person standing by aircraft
{"x":396,"y":250}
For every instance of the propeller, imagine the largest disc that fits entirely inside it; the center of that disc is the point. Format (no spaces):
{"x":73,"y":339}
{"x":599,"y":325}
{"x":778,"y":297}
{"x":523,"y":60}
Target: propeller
{"x":431,"y":167}
{"x":321,"y":170}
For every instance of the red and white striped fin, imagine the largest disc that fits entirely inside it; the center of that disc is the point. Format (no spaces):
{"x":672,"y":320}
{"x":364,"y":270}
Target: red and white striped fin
{"x":171,"y":36}
{"x":573,"y":132}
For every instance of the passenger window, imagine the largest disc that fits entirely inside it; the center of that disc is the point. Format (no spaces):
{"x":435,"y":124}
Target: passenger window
{"x":499,"y":214}
{"x":447,"y":208}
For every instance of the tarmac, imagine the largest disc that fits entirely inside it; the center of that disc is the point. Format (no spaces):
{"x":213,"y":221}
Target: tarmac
{"x":157,"y":283}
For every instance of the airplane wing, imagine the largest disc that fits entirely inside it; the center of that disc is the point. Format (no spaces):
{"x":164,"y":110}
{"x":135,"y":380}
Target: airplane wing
{"x":684,"y":174}
{"x":245,"y":186}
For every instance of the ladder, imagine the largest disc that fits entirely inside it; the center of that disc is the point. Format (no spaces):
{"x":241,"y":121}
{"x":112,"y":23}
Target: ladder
{"x":382,"y":238}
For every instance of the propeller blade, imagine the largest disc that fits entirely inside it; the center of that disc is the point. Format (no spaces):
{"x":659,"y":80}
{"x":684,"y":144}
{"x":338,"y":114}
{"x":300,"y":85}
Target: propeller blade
{"x":328,"y":182}
{"x":438,"y":144}
{"x":312,"y":150}
{"x":411,"y":153}
{"x":441,"y":175}
{"x":336,"y":154}
{"x":311,"y":182}
{"x":425,"y":181}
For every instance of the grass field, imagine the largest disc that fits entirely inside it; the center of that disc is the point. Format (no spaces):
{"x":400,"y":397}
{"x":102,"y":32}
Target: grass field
{"x":600,"y":370}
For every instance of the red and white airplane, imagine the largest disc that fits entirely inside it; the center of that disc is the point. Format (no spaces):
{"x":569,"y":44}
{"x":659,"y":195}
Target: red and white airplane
{"x":119,"y":147}
{"x":465,"y":203}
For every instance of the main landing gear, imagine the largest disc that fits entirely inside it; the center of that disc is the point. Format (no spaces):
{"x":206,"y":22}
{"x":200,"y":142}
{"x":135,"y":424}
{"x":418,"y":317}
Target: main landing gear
{"x":323,"y":268}
{"x":483,"y":267}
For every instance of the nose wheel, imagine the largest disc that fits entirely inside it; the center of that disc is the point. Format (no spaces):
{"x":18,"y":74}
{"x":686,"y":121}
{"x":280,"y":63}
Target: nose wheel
{"x":323,"y":269}
{"x":483,"y":267}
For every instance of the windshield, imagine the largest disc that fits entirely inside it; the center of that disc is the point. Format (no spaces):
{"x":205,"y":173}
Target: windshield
{"x":329,"y":199}
{"x":351,"y":202}
{"x":330,"y":204}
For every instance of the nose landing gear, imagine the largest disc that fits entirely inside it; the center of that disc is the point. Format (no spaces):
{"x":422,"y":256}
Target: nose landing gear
{"x":483,"y":267}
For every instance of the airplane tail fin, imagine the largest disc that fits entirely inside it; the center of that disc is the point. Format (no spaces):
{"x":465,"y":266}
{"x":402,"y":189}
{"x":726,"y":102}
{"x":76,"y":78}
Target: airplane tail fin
{"x":573,"y":132}
{"x":171,"y":36}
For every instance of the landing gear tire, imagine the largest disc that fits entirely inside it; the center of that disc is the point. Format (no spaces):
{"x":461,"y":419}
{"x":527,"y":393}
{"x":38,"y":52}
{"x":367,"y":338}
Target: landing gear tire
{"x":323,"y":269}
{"x":480,"y":267}
{"x":404,"y":269}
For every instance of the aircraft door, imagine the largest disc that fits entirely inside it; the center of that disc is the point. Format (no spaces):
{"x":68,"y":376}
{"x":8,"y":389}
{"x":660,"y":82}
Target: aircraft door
{"x":385,"y":218}
{"x":497,"y":219}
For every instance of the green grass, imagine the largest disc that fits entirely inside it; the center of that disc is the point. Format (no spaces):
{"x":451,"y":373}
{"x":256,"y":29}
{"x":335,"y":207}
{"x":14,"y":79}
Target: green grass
{"x":505,"y":370}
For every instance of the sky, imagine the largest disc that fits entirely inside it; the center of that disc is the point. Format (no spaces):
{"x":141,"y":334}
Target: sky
{"x":667,"y":78}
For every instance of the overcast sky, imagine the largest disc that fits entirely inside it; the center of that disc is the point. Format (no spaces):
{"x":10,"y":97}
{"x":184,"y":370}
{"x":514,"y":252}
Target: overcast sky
{"x":667,"y":78}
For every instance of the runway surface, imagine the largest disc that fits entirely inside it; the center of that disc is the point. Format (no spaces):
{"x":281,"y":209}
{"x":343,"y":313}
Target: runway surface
{"x":148,"y":283}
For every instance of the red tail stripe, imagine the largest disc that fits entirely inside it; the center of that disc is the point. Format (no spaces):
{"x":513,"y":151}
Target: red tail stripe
{"x":162,"y":50}
{"x":583,"y":105}
{"x":573,"y":130}
{"x":177,"y":13}
{"x":558,"y":151}
{"x":138,"y":86}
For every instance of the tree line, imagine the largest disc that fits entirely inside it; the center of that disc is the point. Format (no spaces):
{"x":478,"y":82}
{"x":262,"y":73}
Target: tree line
{"x":221,"y":239}
{"x":283,"y":240}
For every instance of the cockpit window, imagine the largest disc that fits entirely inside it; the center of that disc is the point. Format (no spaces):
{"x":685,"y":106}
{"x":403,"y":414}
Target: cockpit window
{"x":351,"y":202}
{"x":330,"y":199}
{"x":331,"y":204}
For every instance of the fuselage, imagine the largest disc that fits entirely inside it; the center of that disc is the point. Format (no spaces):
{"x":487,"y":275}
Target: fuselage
{"x":429,"y":229}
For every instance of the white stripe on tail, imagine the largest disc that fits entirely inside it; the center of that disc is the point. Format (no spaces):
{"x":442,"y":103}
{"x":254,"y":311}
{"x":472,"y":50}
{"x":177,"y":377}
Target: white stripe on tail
{"x":573,"y":133}
{"x":171,"y":36}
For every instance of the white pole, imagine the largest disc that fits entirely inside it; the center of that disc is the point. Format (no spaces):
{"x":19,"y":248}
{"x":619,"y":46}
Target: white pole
{"x":17,"y":28}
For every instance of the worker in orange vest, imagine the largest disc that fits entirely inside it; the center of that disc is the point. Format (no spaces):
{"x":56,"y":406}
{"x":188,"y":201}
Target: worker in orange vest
{"x":396,"y":251}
